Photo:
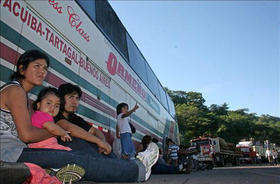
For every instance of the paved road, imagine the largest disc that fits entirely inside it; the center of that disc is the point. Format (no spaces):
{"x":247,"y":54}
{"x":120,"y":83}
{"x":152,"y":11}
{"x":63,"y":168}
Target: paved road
{"x":236,"y":175}
{"x":226,"y":175}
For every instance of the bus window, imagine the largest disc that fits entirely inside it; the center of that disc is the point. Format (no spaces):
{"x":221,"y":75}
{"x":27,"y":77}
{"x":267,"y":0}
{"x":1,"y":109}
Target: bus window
{"x":136,"y":60}
{"x":89,"y":8}
{"x":108,"y":20}
{"x":171,"y":107}
{"x":163,"y":98}
{"x":153,"y":82}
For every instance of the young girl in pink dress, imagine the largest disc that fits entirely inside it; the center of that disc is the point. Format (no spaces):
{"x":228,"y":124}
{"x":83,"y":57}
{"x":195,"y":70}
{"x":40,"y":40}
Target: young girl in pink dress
{"x":46,"y":107}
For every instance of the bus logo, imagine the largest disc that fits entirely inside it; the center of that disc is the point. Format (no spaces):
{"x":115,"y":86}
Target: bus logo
{"x":115,"y":67}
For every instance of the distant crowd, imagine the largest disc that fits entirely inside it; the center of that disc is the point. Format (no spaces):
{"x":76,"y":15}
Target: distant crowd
{"x":273,"y":156}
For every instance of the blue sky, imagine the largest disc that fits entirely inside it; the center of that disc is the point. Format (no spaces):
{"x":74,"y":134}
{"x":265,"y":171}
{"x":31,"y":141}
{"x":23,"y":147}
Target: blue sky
{"x":227,"y":50}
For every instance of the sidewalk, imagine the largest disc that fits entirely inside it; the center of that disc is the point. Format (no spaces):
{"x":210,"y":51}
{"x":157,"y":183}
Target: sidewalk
{"x":156,"y":179}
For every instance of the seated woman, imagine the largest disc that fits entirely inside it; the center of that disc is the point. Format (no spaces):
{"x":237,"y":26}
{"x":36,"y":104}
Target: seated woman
{"x":16,"y":131}
{"x":144,"y":143}
{"x":15,"y":127}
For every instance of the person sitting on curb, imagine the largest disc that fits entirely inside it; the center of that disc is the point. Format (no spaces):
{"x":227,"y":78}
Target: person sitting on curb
{"x":84,"y":136}
{"x":16,"y":129}
{"x":46,"y":106}
{"x":160,"y":167}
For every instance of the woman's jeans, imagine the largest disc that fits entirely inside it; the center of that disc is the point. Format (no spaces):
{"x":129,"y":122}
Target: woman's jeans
{"x":100,"y":169}
{"x":84,"y":146}
{"x":162,"y":168}
{"x":127,"y":144}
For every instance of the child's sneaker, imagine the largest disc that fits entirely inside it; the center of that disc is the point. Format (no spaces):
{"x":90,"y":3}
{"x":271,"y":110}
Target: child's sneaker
{"x":68,"y":174}
{"x":149,"y":157}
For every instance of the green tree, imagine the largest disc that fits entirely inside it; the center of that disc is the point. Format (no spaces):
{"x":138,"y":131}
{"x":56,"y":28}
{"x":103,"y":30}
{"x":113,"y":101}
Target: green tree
{"x":196,"y":119}
{"x":191,"y":114}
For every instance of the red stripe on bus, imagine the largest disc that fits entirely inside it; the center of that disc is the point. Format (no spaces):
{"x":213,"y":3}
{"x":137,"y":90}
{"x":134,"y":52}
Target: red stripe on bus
{"x":9,"y":54}
{"x":96,"y":103}
{"x":144,"y":131}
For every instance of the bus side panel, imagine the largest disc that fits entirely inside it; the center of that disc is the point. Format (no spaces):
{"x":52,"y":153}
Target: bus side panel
{"x":78,"y":60}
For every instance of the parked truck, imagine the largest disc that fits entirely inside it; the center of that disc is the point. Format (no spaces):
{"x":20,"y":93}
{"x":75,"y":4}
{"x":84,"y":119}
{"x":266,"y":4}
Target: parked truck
{"x":216,"y":151}
{"x":249,"y":155}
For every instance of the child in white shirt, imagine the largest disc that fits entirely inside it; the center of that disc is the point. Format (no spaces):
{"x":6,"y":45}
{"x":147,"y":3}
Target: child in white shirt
{"x":128,"y":149}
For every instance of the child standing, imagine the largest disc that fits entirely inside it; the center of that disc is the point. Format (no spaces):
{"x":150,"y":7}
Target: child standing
{"x":173,"y":153}
{"x":46,"y":107}
{"x":123,"y":127}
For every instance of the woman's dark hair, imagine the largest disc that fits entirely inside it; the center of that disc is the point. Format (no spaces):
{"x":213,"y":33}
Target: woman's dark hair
{"x":146,"y":140}
{"x":155,"y":140}
{"x":24,"y":60}
{"x":43,"y":93}
{"x":168,"y":140}
{"x":65,"y":89}
{"x":120,"y":106}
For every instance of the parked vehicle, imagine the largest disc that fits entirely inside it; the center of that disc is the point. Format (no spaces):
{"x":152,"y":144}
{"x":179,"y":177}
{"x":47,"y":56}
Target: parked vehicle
{"x":249,"y":155}
{"x":216,"y":151}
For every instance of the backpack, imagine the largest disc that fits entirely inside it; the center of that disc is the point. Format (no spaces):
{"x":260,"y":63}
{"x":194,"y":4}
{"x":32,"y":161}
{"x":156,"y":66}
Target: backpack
{"x":133,"y":129}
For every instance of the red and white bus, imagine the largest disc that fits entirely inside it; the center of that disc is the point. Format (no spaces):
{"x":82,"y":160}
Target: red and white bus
{"x":88,"y":46}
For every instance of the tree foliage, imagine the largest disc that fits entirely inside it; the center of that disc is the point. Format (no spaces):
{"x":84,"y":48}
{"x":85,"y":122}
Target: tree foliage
{"x":196,"y":119}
